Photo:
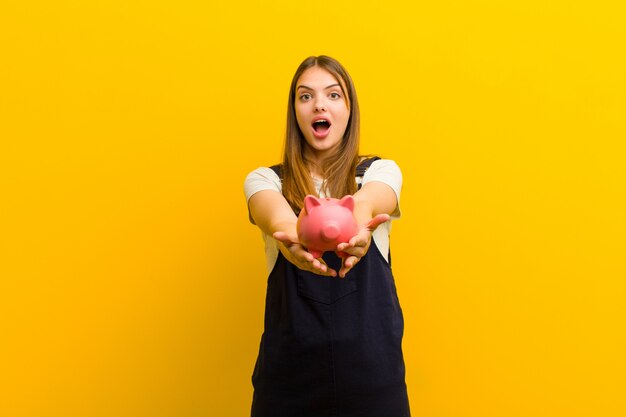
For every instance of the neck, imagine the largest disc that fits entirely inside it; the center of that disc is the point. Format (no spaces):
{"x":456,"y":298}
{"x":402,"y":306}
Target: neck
{"x":315,"y":168}
{"x":315,"y":160}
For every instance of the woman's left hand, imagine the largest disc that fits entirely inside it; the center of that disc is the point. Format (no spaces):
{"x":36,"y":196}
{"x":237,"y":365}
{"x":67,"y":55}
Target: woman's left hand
{"x":358,"y":246}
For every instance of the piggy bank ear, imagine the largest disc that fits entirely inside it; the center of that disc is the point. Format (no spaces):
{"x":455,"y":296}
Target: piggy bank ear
{"x":347,"y":202}
{"x":310,"y":202}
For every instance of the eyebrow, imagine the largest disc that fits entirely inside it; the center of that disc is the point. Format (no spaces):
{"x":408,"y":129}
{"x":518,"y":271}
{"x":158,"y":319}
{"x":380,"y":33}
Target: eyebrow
{"x":309,"y":88}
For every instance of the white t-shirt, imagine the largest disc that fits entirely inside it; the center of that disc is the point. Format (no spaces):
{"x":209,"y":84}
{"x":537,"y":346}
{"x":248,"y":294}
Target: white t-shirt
{"x":382,"y":170}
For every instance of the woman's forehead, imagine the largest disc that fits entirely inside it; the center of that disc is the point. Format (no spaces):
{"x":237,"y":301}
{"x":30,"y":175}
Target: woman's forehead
{"x":318,"y":77}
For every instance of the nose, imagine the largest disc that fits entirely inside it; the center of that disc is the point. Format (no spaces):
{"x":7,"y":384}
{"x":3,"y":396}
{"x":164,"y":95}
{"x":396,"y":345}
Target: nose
{"x":319,"y":105}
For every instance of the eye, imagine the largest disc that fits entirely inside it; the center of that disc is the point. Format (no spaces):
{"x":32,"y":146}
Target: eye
{"x":305,"y":97}
{"x":334,"y":95}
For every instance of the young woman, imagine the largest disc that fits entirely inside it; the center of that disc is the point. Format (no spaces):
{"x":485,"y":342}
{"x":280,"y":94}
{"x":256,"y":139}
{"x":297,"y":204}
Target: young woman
{"x":333,"y":326}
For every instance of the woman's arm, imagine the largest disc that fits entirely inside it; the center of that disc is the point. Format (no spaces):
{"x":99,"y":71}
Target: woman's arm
{"x":372,"y":199}
{"x":373,"y":205}
{"x":274,"y":216}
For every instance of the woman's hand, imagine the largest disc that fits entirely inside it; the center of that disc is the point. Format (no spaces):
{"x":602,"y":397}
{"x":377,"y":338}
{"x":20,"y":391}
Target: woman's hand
{"x":295,"y":253}
{"x":358,"y":246}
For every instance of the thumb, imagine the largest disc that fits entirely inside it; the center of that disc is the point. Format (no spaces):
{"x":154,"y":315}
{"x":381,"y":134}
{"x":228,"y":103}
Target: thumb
{"x":377,"y":221}
{"x":285,"y":238}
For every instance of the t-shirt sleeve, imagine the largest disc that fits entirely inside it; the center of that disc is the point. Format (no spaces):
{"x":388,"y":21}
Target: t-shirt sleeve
{"x":258,"y":180}
{"x":388,"y":172}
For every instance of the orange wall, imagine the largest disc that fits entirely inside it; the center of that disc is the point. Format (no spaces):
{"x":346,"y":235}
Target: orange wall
{"x":131,"y":283}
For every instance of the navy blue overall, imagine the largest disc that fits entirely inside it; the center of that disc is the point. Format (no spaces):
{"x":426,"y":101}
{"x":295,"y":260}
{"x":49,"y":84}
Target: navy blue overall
{"x":331,"y":347}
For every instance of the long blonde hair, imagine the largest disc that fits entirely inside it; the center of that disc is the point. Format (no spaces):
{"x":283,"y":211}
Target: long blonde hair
{"x":339,"y":169}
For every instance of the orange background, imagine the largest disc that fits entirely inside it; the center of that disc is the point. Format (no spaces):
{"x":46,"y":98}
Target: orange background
{"x":132,"y":284}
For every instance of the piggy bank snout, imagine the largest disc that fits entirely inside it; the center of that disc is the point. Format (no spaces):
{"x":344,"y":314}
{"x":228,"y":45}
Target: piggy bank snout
{"x":324,"y":223}
{"x":330,"y":231}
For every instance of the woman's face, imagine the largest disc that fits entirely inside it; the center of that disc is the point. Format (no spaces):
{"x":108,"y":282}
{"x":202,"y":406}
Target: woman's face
{"x":321,"y":110}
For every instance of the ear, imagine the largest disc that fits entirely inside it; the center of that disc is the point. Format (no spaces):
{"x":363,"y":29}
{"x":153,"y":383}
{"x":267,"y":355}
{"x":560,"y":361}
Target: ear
{"x":310,"y":202}
{"x":348,"y":202}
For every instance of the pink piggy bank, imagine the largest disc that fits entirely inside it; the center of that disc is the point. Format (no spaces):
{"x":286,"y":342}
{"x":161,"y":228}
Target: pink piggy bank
{"x":326,"y":222}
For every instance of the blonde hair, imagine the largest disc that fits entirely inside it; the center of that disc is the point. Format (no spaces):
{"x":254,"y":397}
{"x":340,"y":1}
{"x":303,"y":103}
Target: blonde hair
{"x":339,"y":169}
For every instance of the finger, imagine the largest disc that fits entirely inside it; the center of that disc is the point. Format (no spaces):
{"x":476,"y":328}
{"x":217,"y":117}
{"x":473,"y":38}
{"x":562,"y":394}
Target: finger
{"x":306,"y":256}
{"x":284,"y":238}
{"x":318,"y":265}
{"x":322,"y":261}
{"x":347,"y":264}
{"x":328,"y":271}
{"x":343,"y":246}
{"x":360,"y":240}
{"x":323,"y":270}
{"x":377,"y":221}
{"x":358,"y":251}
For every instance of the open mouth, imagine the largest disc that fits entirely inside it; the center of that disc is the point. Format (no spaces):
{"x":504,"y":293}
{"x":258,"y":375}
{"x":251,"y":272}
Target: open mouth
{"x":321,"y":127}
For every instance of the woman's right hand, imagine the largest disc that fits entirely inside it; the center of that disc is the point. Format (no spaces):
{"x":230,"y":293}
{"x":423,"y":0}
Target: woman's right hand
{"x":295,"y":253}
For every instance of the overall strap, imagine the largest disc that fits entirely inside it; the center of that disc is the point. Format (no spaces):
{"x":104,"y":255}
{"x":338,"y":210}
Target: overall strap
{"x":362,"y":167}
{"x":277,"y":169}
